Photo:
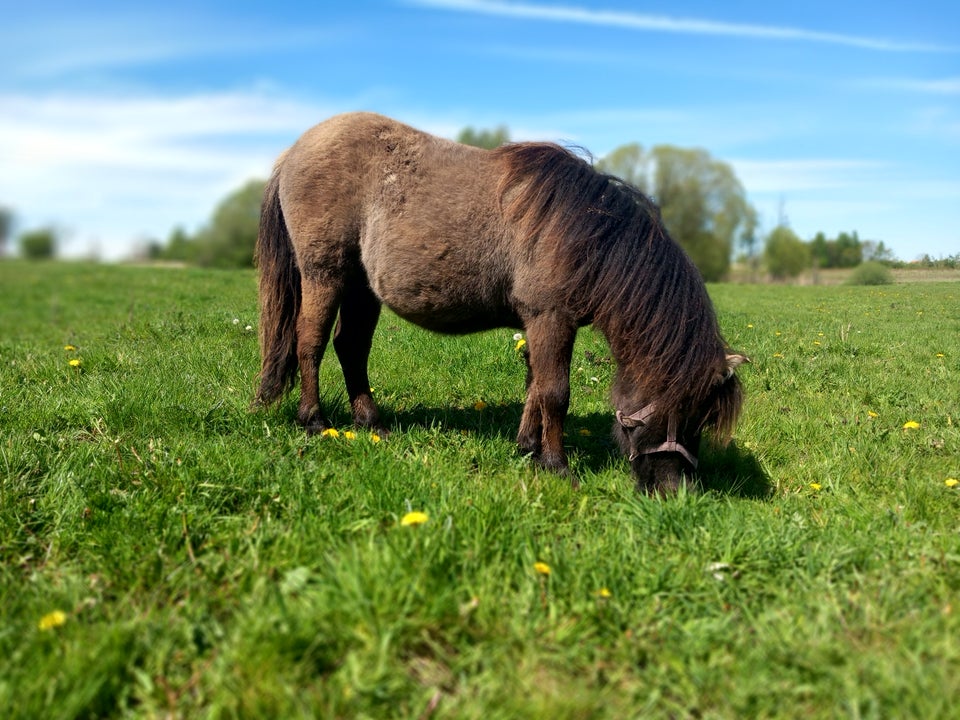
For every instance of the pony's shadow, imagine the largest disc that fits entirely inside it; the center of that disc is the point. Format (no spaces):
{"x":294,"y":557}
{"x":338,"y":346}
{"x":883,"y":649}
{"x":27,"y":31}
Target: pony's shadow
{"x":729,"y":470}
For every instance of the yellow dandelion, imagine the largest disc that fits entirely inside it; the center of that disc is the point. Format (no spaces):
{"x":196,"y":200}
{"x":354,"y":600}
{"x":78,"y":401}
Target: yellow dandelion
{"x":331,"y":433}
{"x":872,"y":414}
{"x":749,"y":325}
{"x":479,"y":405}
{"x":75,"y":362}
{"x":911,"y":425}
{"x":374,"y":437}
{"x":778,"y":355}
{"x":69,"y":348}
{"x":542,"y":568}
{"x":778,"y":333}
{"x":350,"y":435}
{"x":52,"y":620}
{"x":940,"y":355}
{"x":816,"y":342}
{"x":584,"y":431}
{"x":815,"y":486}
{"x":413,"y":518}
{"x":951,"y":482}
{"x":604,"y":593}
{"x":520,"y":343}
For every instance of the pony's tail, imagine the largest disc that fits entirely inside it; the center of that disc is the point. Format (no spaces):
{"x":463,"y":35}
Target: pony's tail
{"x":279,"y":298}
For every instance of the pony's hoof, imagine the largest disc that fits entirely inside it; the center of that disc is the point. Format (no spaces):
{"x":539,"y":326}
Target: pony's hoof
{"x":380,"y":431}
{"x":554,"y":464}
{"x":316,"y":428}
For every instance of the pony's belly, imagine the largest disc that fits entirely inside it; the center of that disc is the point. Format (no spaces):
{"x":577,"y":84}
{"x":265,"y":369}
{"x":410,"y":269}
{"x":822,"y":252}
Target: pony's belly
{"x":447,"y":307}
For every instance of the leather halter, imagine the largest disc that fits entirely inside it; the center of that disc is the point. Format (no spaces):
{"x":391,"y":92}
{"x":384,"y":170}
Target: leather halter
{"x":640,"y":417}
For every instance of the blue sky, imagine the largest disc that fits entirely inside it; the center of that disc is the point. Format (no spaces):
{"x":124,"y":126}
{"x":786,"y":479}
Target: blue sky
{"x":119,"y":121}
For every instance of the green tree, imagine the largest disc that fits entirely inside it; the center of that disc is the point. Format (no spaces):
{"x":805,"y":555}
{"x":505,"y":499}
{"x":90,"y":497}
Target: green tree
{"x":39,"y":244}
{"x":849,"y":250}
{"x":845,"y":251}
{"x":487,"y":139}
{"x":703,"y":204}
{"x":786,"y":254}
{"x":6,"y":227}
{"x":231,"y":237}
{"x":748,"y":241}
{"x":876,"y":251}
{"x":180,"y":247}
{"x":631,"y":164}
{"x":820,"y":251}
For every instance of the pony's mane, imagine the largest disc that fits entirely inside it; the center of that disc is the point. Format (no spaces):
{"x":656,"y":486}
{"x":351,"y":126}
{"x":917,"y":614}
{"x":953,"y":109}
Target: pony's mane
{"x":624,"y":272}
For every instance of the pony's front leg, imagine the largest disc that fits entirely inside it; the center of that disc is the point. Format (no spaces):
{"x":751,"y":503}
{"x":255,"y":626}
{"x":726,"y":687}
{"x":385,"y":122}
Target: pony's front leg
{"x":550,"y":344}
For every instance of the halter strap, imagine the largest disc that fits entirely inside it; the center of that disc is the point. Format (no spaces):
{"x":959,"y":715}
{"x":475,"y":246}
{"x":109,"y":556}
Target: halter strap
{"x":640,"y":417}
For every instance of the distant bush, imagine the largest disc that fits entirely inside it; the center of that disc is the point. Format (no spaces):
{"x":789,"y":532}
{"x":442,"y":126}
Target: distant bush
{"x":39,"y":244}
{"x":871,"y":273}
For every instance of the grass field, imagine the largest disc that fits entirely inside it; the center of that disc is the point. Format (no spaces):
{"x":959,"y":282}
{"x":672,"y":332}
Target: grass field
{"x":165,"y":552}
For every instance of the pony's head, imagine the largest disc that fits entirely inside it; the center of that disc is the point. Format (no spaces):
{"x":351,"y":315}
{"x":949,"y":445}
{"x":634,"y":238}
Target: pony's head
{"x":662,"y":439}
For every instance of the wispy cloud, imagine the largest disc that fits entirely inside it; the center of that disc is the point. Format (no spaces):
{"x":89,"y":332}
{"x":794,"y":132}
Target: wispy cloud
{"x":938,"y":86}
{"x":70,"y":45}
{"x":668,"y":24}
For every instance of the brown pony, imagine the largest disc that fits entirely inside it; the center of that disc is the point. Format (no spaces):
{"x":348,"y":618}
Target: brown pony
{"x":364,"y":211}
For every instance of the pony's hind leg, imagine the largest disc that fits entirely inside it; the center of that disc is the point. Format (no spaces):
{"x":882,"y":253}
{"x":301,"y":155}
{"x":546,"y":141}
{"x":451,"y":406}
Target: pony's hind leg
{"x":318,"y":309}
{"x":359,"y":312}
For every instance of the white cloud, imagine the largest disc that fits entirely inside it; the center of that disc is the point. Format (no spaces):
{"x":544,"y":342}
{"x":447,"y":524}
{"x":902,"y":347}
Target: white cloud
{"x":111,"y":169}
{"x":667,"y":24}
{"x":809,"y":174}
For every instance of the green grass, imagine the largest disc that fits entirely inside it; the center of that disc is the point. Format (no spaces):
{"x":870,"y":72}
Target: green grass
{"x":215,"y":562}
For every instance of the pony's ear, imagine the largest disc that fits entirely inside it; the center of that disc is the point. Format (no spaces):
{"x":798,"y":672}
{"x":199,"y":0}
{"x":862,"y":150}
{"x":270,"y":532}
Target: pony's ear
{"x":734,"y":360}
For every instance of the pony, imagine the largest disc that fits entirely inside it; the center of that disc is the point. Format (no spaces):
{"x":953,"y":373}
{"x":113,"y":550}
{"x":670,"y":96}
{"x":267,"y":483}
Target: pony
{"x":364,"y":211}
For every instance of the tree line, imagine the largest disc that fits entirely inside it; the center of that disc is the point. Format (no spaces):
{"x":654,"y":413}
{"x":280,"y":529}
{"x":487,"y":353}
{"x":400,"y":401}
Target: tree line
{"x":702,"y":203}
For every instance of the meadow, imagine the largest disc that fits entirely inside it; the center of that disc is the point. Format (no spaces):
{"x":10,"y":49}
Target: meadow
{"x":167,"y":552}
